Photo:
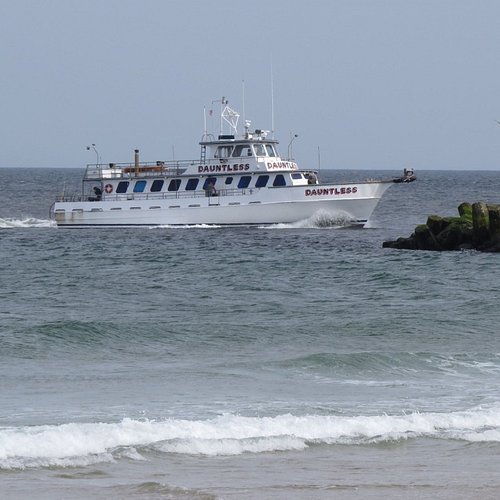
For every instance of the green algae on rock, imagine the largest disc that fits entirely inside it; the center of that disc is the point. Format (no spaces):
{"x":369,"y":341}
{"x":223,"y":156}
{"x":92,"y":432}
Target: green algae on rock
{"x":477,"y":227}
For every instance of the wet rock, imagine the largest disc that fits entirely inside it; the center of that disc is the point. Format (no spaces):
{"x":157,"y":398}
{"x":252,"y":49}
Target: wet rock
{"x":477,"y":227}
{"x":465,"y":211}
{"x":437,"y":224}
{"x":425,"y":239}
{"x":480,"y":223}
{"x":494,"y":224}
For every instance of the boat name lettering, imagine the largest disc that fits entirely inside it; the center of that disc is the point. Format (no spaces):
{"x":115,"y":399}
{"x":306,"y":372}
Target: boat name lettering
{"x":236,"y":167}
{"x":330,"y":191}
{"x":281,"y":165}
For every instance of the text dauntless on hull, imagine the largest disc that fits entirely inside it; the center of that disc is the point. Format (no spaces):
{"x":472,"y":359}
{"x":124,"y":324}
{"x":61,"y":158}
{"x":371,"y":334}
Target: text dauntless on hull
{"x":238,"y":180}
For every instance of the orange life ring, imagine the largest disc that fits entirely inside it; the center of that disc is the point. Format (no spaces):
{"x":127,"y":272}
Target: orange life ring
{"x":108,"y":188}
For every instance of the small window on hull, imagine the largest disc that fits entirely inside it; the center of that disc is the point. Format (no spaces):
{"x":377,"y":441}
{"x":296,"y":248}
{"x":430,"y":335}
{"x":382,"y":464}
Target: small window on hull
{"x":157,"y":185}
{"x":192,"y":184}
{"x":174,"y":185}
{"x":122,"y":187}
{"x":139,"y":186}
{"x":262,"y":181}
{"x":244,"y":182}
{"x":279,"y":181}
{"x":209,"y":180}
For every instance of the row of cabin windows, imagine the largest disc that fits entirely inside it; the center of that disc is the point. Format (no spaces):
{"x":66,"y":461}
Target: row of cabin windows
{"x":241,"y":150}
{"x":192,"y":184}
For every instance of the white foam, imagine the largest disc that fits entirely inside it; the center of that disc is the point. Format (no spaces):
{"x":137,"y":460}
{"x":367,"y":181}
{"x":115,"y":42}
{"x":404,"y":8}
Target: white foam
{"x":212,"y":447}
{"x":190,"y":226}
{"x":76,"y":444}
{"x":25,"y":223}
{"x":321,"y":219}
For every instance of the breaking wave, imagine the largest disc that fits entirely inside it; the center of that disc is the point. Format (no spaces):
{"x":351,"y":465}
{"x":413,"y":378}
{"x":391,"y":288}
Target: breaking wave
{"x":25,"y":223}
{"x":187,"y":226}
{"x":77,"y":444}
{"x":321,"y":219}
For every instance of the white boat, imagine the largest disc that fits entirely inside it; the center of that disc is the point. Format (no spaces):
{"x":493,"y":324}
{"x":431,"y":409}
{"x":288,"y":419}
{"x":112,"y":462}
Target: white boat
{"x":237,"y":180}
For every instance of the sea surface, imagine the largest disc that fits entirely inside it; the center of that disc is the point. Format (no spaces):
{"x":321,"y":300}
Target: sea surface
{"x":295,"y":361}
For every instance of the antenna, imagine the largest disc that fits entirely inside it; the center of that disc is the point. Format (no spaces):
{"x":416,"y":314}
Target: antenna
{"x":231,"y":117}
{"x":222,"y":102}
{"x":272,"y":98}
{"x":243,"y":94}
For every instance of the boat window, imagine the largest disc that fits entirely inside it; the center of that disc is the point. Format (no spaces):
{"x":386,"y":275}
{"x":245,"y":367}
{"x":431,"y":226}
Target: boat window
{"x":244,"y":182}
{"x":259,"y":150}
{"x":242,"y":150}
{"x":157,"y":185}
{"x":261,"y":181}
{"x":139,"y":186}
{"x":270,"y":150}
{"x":229,"y":180}
{"x":174,"y":185}
{"x":296,"y":176}
{"x":192,"y":184}
{"x":223,"y":152}
{"x":122,"y":187}
{"x":209,"y":180}
{"x":279,"y":181}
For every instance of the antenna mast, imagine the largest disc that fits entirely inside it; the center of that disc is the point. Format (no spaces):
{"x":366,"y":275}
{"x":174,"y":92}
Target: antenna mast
{"x":231,"y":117}
{"x":272,"y":99}
{"x":243,"y":92}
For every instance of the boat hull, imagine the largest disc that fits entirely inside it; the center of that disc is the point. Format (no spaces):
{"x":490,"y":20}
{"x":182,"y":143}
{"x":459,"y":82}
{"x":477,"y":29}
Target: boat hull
{"x":353,"y":203}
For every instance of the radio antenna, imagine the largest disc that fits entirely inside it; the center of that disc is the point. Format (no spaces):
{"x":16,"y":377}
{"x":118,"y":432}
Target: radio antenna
{"x":272,"y":98}
{"x":243,"y":95}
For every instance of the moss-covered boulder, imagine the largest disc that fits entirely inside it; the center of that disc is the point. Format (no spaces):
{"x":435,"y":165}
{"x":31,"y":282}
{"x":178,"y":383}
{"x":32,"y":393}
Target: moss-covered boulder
{"x":480,"y":222}
{"x":477,"y":227}
{"x":456,"y":235}
{"x":437,"y":224}
{"x":424,"y":238}
{"x":465,"y":211}
{"x":494,"y":222}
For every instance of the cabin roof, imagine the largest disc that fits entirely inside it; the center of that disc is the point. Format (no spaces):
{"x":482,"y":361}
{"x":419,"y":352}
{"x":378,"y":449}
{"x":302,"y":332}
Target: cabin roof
{"x":233,"y":140}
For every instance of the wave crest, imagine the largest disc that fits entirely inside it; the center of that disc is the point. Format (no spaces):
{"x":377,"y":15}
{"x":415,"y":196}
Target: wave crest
{"x":25,"y":223}
{"x":83,"y":443}
{"x":322,"y":219}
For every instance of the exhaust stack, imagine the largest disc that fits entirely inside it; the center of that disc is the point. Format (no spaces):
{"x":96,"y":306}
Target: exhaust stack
{"x":136,"y":158}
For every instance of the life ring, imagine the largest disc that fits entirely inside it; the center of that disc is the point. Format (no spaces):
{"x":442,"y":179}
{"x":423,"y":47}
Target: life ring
{"x":108,"y":188}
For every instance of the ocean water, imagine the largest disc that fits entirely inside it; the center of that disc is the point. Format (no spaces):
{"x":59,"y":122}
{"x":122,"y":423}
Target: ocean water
{"x":287,"y":362}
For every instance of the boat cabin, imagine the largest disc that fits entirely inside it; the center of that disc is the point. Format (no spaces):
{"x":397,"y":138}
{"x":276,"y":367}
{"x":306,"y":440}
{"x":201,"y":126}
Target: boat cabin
{"x":228,"y":166}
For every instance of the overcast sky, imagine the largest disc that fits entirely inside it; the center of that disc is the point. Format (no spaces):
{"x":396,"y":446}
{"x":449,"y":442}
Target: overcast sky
{"x":370,"y":84}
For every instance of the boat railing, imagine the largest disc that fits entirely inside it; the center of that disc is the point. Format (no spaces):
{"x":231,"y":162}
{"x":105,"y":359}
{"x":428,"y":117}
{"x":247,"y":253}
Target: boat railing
{"x":78,"y":197}
{"x":100,"y":171}
{"x":108,"y":171}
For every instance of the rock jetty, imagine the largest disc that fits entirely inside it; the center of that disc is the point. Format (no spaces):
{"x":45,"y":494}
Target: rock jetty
{"x":477,"y":227}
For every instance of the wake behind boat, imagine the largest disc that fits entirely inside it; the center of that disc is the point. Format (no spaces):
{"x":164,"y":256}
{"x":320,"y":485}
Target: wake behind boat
{"x":237,"y":180}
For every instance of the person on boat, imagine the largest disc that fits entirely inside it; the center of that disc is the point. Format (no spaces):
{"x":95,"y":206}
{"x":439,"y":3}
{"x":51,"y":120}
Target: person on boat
{"x":311,"y":178}
{"x":97,"y":193}
{"x":211,"y":191}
